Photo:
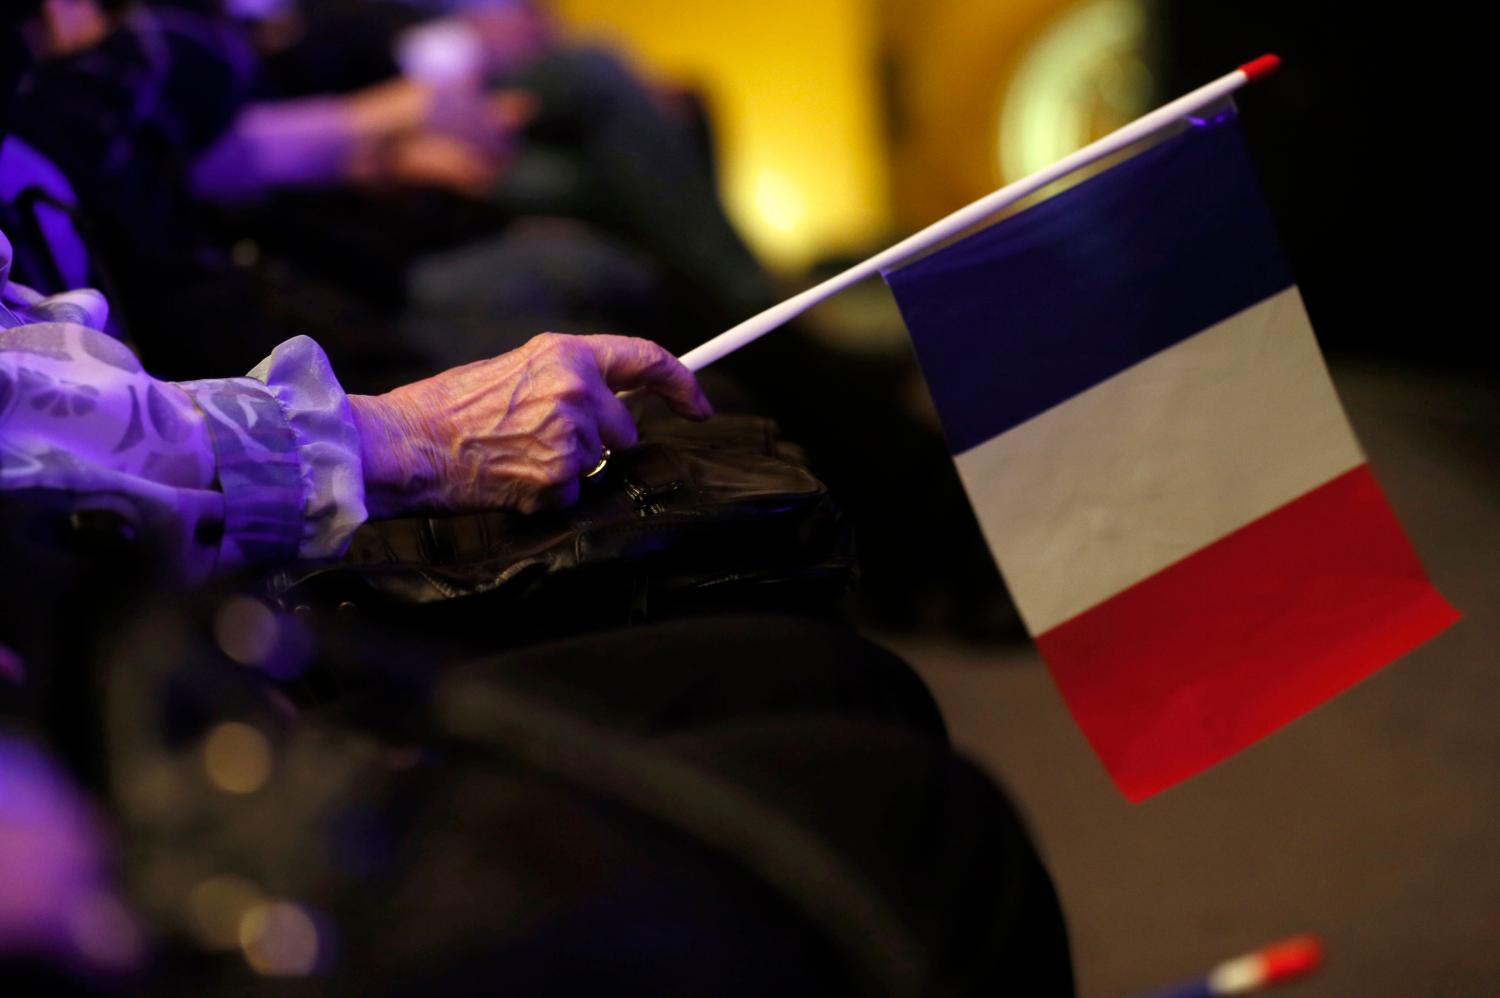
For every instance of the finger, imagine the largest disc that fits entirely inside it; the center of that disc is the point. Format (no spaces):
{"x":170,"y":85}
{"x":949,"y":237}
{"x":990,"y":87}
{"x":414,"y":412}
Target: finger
{"x":626,"y":363}
{"x":590,"y":449}
{"x":617,"y":427}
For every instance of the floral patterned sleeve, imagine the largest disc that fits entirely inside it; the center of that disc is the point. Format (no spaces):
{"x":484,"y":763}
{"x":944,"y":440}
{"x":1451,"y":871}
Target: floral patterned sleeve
{"x":255,"y":470}
{"x":287,"y":456}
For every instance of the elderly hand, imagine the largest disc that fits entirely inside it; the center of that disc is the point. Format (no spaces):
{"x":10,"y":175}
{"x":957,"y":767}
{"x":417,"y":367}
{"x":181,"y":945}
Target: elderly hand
{"x":517,"y":431}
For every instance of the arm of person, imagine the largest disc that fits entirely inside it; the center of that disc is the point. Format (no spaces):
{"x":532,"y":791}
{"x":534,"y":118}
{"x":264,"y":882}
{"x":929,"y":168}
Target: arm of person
{"x":308,"y":141}
{"x":217,"y":474}
{"x":282,"y":465}
{"x":403,"y":131}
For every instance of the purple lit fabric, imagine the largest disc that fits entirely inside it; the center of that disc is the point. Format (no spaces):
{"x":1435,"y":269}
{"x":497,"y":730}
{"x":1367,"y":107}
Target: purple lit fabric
{"x":223,"y":473}
{"x":26,"y":176}
{"x":288,"y":456}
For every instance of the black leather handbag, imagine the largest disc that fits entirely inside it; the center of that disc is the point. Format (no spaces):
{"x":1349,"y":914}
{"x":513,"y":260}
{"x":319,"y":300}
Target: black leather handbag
{"x":698,"y":517}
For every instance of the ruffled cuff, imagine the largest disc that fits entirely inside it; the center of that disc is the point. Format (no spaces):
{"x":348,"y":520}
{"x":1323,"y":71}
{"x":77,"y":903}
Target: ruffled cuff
{"x":288,"y":457}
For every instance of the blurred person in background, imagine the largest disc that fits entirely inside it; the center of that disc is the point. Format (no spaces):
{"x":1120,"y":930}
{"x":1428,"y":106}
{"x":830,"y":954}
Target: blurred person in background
{"x":601,"y":209}
{"x":495,"y":122}
{"x":124,"y":110}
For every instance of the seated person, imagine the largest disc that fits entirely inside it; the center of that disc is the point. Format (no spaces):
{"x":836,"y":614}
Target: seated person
{"x":284,"y":464}
{"x":781,"y":729}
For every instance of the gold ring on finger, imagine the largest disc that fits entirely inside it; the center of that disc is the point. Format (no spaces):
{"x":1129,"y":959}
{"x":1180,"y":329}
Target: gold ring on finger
{"x":603,"y":460}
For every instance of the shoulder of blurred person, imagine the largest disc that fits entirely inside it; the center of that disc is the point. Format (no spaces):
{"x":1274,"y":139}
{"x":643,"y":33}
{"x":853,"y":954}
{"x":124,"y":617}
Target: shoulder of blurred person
{"x":160,"y":84}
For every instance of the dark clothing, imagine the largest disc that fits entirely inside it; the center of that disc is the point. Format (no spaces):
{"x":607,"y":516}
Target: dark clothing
{"x":840,"y":737}
{"x":717,"y":806}
{"x":728,"y":806}
{"x":686,"y":675}
{"x":124,"y":121}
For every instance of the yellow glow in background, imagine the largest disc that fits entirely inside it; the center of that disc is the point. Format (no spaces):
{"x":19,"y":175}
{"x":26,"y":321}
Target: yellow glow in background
{"x":792,"y":91}
{"x":841,"y":123}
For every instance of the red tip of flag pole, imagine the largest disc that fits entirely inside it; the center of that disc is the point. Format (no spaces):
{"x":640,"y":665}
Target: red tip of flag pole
{"x":1257,"y":68}
{"x":1291,"y":959}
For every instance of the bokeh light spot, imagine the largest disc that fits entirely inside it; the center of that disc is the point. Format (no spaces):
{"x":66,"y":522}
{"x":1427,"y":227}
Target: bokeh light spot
{"x":217,"y":906}
{"x":237,"y":758}
{"x":246,"y":630}
{"x":104,"y":931}
{"x":279,"y":939}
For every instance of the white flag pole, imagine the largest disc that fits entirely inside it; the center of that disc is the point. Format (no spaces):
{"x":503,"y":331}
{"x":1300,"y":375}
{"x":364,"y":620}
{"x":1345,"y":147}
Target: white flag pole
{"x":1127,"y":135}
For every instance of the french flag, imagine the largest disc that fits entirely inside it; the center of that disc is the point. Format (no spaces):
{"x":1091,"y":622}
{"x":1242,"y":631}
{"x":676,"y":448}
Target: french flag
{"x":1138,"y":408}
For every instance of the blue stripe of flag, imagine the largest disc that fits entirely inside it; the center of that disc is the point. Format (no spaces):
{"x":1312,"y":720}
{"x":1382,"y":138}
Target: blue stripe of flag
{"x":1029,"y":312}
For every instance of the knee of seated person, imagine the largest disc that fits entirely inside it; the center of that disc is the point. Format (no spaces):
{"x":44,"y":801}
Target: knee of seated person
{"x":716,"y":669}
{"x":938,"y":838}
{"x":820,"y":664}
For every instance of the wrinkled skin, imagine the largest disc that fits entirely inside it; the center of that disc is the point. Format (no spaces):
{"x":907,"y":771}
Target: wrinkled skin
{"x":517,"y":431}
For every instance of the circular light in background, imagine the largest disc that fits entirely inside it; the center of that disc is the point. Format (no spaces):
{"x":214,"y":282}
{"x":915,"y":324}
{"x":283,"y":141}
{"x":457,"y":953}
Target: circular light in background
{"x":217,"y":906}
{"x":237,"y":758}
{"x":246,"y":630}
{"x":105,"y":932}
{"x":279,"y":939}
{"x":1084,"y":77}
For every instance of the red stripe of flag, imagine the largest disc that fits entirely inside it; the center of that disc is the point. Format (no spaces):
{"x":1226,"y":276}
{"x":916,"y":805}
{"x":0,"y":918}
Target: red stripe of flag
{"x":1198,"y":661}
